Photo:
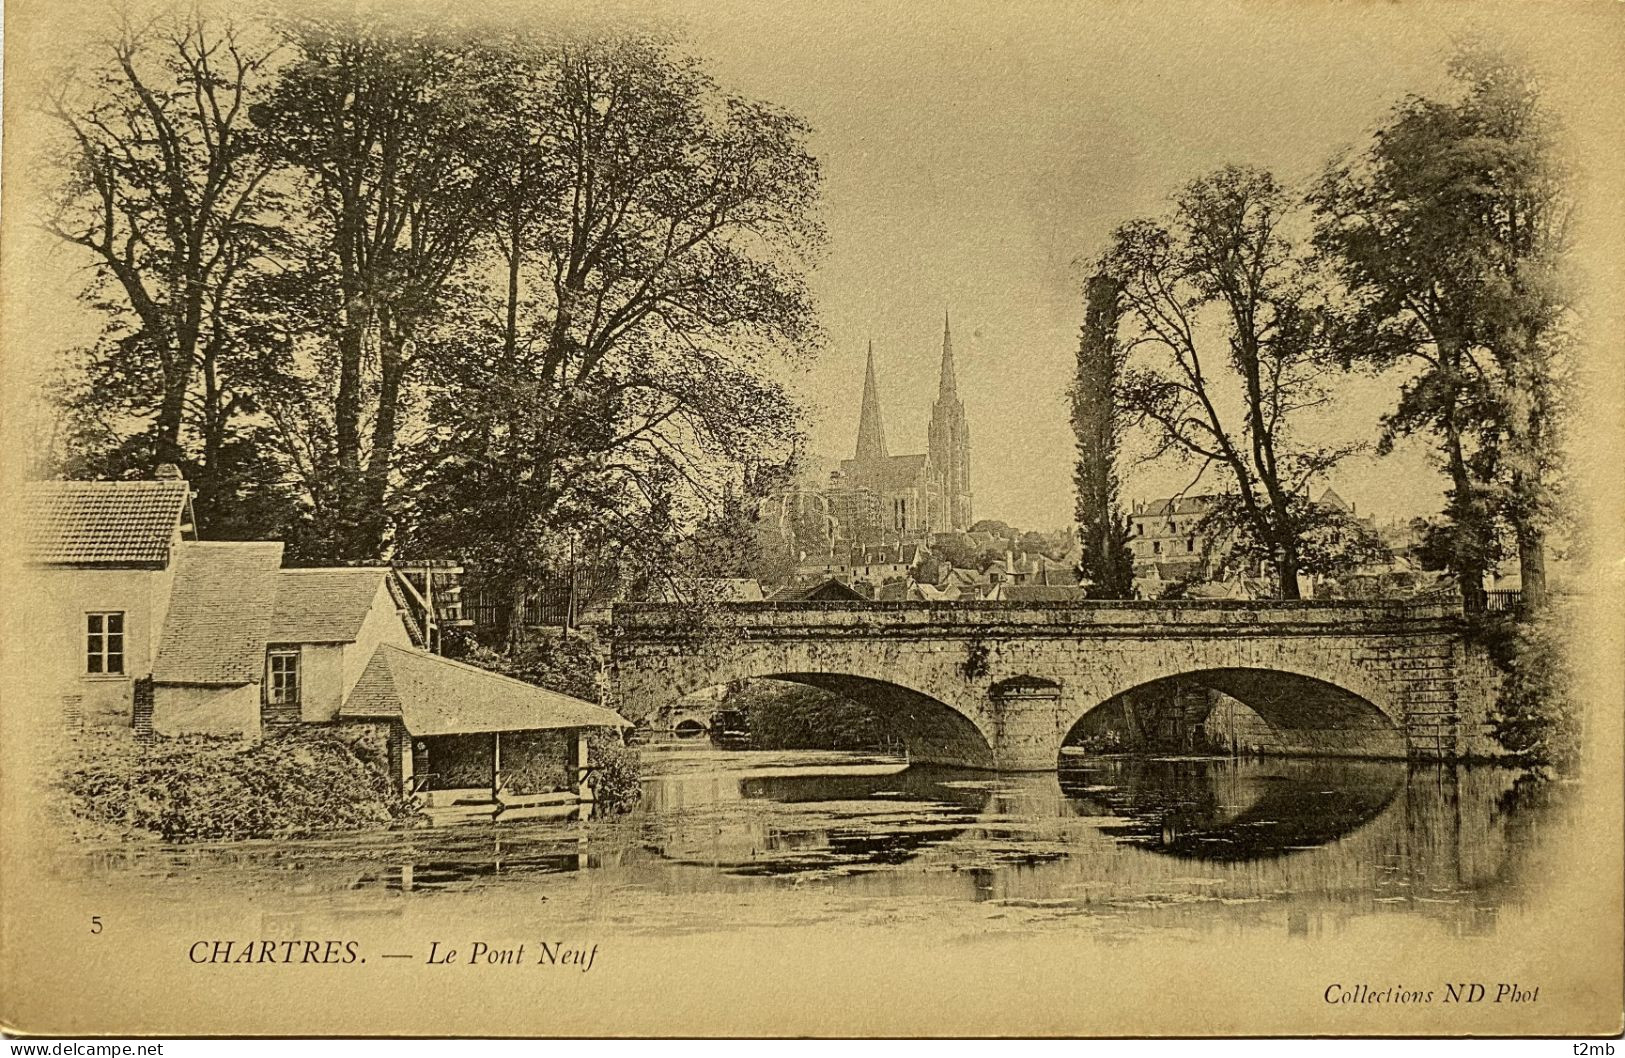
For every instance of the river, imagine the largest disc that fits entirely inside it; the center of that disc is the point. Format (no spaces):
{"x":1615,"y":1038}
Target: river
{"x":727,"y":840}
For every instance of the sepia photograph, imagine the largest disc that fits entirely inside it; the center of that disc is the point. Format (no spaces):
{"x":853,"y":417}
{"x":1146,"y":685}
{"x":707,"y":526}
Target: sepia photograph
{"x":755,"y":519}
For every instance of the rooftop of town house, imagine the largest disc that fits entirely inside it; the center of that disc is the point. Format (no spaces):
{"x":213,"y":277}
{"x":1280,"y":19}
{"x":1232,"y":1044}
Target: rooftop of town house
{"x":324,"y":605}
{"x":1174,"y":505}
{"x":830,"y":590}
{"x":432,"y":695}
{"x":885,"y":555}
{"x":104,"y":523}
{"x":219,"y":613}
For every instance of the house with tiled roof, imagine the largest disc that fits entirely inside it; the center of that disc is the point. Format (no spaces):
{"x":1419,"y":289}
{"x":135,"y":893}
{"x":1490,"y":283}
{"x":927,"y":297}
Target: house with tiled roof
{"x":250,"y":646}
{"x":186,"y":637}
{"x":959,"y":583}
{"x":882,"y":563}
{"x":1171,"y":541}
{"x":211,"y":654}
{"x":99,"y":561}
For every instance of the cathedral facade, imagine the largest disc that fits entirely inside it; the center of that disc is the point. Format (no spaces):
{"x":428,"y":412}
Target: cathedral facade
{"x":885,"y":498}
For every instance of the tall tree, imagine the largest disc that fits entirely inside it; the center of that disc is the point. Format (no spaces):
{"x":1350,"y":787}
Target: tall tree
{"x":1449,"y":231}
{"x":653,"y":283}
{"x":170,"y":189}
{"x":388,"y":126}
{"x":1524,"y":214}
{"x":1223,"y":352}
{"x":1096,"y":423}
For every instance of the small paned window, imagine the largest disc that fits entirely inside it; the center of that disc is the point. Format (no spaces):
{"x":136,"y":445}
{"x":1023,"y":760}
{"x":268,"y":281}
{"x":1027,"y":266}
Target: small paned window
{"x":282,"y":681}
{"x":104,"y":643}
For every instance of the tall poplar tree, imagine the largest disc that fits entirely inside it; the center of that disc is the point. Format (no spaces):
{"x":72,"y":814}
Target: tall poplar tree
{"x":1096,"y":423}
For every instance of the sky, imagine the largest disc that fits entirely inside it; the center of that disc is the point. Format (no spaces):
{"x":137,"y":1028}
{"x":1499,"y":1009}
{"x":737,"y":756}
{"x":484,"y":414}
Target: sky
{"x":976,"y":156}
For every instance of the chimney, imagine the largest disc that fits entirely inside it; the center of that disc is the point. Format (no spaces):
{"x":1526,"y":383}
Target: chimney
{"x":168,"y":472}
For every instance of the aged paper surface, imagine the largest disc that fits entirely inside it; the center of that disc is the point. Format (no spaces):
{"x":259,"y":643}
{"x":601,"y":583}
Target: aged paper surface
{"x":1339,"y":868}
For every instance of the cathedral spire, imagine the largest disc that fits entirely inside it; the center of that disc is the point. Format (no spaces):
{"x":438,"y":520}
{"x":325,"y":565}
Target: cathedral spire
{"x":947,"y":387}
{"x":871,"y":432}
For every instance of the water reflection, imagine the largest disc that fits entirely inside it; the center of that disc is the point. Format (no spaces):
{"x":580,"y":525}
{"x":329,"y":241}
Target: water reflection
{"x":1225,"y":810}
{"x":725,"y":838}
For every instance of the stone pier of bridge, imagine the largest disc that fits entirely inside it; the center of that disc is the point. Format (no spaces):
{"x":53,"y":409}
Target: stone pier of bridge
{"x":1001,"y":685}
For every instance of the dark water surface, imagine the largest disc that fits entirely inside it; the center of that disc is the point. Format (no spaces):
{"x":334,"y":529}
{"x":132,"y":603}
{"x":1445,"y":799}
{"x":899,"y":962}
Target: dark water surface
{"x":743,"y":839}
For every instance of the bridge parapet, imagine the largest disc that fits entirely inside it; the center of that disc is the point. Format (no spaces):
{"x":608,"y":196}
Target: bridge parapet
{"x":989,"y":619}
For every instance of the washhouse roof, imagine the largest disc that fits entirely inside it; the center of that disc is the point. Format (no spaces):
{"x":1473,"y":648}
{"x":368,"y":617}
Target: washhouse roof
{"x":324,"y":605}
{"x":432,"y":695}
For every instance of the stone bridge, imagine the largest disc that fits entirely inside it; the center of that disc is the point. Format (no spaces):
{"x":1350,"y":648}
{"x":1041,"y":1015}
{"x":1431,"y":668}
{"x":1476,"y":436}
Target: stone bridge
{"x":1000,"y":685}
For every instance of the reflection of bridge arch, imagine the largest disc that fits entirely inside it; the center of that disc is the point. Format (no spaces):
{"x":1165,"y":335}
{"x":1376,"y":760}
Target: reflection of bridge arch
{"x":1225,"y":811}
{"x":1306,"y":714}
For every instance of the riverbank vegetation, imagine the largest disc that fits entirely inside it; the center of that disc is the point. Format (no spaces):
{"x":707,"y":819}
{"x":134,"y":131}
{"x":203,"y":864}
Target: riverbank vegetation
{"x":216,"y":789}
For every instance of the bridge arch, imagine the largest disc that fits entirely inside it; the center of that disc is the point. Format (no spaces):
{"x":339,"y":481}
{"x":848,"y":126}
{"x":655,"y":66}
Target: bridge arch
{"x":1305,"y":714}
{"x":933,"y":730}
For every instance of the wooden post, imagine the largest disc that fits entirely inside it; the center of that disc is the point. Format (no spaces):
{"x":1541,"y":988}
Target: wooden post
{"x":578,"y":763}
{"x":496,"y":767}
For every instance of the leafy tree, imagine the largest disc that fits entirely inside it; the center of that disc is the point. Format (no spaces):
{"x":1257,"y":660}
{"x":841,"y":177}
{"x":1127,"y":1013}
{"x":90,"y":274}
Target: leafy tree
{"x":1522,"y":230}
{"x":1096,"y":423}
{"x":387,"y":127}
{"x":170,"y":190}
{"x":1448,"y":232}
{"x":1223,"y":352}
{"x":625,"y":389}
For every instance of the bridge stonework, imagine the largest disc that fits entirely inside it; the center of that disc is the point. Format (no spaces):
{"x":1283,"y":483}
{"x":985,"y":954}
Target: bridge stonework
{"x":1000,"y":685}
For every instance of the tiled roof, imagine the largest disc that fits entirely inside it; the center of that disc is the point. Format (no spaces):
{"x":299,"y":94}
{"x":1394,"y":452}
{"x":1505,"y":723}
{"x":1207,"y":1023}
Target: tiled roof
{"x":1178,"y":505}
{"x":830,"y":590}
{"x":437,"y":696}
{"x":219,"y":611}
{"x":323,"y":605}
{"x":102,"y":522}
{"x":886,"y":555}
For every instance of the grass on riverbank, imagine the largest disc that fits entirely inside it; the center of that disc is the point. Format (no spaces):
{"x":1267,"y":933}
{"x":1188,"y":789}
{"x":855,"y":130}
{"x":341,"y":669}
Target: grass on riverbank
{"x":206,"y":789}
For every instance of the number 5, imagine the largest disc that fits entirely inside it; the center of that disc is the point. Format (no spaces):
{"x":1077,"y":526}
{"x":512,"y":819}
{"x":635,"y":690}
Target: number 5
{"x":95,"y":924}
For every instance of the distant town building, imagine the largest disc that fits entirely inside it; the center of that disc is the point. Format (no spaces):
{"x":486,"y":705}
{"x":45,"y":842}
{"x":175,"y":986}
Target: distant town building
{"x":1168,"y":541}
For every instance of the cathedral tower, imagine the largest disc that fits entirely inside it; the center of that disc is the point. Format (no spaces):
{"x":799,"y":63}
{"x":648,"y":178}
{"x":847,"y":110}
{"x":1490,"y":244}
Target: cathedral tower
{"x":871,"y":432}
{"x":948,"y":444}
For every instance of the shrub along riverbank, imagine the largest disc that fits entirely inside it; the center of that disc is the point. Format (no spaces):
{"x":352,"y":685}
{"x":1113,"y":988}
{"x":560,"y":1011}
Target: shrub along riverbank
{"x":202,"y":789}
